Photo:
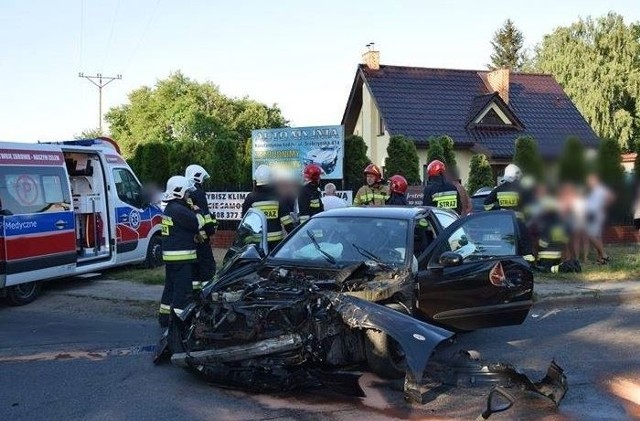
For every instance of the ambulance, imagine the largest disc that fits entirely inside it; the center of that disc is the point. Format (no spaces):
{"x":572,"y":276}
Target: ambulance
{"x":70,"y":208}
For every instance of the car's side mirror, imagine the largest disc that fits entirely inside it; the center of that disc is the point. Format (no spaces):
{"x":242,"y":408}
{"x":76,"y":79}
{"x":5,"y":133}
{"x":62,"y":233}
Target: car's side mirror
{"x":450,"y":258}
{"x":252,"y":252}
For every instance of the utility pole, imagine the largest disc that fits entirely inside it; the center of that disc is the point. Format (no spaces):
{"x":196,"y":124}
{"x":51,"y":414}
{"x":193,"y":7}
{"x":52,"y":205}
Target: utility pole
{"x":102,"y":81}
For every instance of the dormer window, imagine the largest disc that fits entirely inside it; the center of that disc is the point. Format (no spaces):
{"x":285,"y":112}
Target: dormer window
{"x":491,"y":112}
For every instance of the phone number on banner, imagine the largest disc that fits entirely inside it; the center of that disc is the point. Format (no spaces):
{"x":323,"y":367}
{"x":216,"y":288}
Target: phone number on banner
{"x":226,"y":206}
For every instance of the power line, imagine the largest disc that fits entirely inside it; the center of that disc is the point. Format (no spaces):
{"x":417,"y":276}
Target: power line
{"x":144,"y":33}
{"x":100,"y":82}
{"x":113,"y":24}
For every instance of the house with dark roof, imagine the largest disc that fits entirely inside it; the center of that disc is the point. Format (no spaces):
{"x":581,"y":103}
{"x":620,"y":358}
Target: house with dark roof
{"x":482,"y":111}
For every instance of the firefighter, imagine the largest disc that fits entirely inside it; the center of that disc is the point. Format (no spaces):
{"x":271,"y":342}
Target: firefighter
{"x":439,"y":192}
{"x":510,"y":194}
{"x":552,"y":240}
{"x":265,"y":199}
{"x":198,"y":200}
{"x":374,"y":192}
{"x":310,"y":198}
{"x":397,"y":191}
{"x":180,"y":227}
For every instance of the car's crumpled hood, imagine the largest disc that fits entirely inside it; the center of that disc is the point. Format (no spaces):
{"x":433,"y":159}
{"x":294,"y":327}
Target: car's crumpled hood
{"x":417,"y":339}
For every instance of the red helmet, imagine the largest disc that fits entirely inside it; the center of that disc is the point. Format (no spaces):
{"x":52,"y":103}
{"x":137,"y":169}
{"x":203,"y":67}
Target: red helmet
{"x":398,"y":184}
{"x":435,"y":168}
{"x":312,"y":173}
{"x":374,"y":170}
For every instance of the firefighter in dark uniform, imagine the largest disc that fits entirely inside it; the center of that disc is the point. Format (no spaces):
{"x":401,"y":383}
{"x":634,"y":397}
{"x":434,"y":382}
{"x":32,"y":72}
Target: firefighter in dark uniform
{"x":310,"y":198}
{"x":552,"y":240}
{"x":439,"y":192}
{"x":374,"y":192}
{"x":398,"y":191}
{"x":512,"y":196}
{"x":398,"y":197}
{"x":206,"y":262}
{"x":266,"y":200}
{"x":180,"y":227}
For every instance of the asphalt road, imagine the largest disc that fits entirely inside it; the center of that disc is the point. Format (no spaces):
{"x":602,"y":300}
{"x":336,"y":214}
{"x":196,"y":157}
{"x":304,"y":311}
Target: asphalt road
{"x":80,"y":358}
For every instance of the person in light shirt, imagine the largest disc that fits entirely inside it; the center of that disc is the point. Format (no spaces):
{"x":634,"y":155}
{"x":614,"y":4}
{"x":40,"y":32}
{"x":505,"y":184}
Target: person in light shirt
{"x":330,"y":200}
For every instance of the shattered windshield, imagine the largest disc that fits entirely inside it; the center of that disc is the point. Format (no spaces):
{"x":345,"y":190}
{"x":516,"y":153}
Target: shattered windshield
{"x":348,"y":240}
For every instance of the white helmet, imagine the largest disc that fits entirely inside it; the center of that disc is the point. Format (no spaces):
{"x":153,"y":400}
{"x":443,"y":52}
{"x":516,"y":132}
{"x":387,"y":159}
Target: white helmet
{"x":262,"y":175}
{"x":512,"y":173}
{"x":177,"y":188}
{"x":196,"y":173}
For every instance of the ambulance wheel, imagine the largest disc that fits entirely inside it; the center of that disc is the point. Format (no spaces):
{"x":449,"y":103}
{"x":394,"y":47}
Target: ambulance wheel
{"x":154,"y":253}
{"x":22,"y":294}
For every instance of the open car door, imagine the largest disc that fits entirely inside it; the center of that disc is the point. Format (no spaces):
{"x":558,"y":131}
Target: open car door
{"x":472,"y":275}
{"x":251,"y":230}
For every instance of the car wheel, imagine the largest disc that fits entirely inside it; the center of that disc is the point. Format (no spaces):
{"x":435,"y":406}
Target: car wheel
{"x":384,"y":355}
{"x":154,"y":253}
{"x":22,"y":294}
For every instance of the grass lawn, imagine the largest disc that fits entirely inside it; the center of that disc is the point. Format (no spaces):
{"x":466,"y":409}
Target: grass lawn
{"x":149,"y":276}
{"x":624,"y":266}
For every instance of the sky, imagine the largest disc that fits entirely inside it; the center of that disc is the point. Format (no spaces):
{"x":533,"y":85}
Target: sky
{"x":299,"y":54}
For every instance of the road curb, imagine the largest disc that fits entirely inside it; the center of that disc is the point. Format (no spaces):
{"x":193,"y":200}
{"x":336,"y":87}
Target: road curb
{"x":591,"y":297}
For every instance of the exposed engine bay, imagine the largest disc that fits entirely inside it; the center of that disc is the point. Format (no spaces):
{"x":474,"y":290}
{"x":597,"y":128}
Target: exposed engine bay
{"x":288,"y":330}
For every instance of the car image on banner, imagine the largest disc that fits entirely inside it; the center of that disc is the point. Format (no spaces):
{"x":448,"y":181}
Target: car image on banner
{"x":326,"y":157}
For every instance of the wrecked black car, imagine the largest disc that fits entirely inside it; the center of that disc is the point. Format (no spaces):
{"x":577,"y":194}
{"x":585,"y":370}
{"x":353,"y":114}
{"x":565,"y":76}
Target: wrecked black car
{"x":461,"y":274}
{"x":375,"y":286}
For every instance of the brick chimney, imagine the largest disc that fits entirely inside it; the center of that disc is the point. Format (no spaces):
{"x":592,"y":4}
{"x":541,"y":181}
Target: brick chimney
{"x":498,"y":81}
{"x":371,"y":58}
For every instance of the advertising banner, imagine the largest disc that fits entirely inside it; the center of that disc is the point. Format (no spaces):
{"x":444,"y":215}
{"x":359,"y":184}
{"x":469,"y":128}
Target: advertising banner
{"x":289,"y":149}
{"x":227,"y":206}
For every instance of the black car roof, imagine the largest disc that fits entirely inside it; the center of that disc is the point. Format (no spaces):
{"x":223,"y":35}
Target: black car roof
{"x":397,"y":212}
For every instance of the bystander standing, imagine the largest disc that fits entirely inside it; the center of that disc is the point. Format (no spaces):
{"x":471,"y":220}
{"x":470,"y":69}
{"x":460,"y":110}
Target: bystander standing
{"x":330,"y":200}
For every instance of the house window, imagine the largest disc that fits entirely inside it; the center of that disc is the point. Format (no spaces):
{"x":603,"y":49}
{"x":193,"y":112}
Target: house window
{"x":380,"y":126}
{"x":492,"y":118}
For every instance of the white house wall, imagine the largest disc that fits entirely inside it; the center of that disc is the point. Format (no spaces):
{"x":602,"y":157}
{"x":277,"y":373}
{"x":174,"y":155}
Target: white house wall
{"x":367,"y":127}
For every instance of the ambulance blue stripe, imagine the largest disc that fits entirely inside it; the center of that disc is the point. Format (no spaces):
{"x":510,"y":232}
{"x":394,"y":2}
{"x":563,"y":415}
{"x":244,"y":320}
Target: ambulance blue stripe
{"x":37,"y":223}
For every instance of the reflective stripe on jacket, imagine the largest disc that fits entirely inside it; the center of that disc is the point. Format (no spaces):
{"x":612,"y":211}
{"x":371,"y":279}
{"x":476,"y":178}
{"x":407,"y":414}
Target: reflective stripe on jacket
{"x":376,"y":195}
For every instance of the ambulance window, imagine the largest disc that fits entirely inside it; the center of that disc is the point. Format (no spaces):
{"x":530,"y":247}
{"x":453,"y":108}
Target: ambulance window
{"x":127,"y":187}
{"x":28,"y":190}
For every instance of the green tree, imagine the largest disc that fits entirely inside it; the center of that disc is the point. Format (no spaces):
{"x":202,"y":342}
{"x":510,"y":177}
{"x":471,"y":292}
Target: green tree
{"x":609,"y":163}
{"x":507,"y":47}
{"x":597,"y":62}
{"x":180,"y":109}
{"x":90,"y":134}
{"x":528,"y":158}
{"x":355,"y":160}
{"x":183,"y":154}
{"x":225,"y":164}
{"x":573,"y":165}
{"x":435,"y":150}
{"x":449,"y":153}
{"x":636,"y":163}
{"x":152,"y":163}
{"x":402,"y":159}
{"x":611,"y":172}
{"x":480,"y":174}
{"x":245,"y":176}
